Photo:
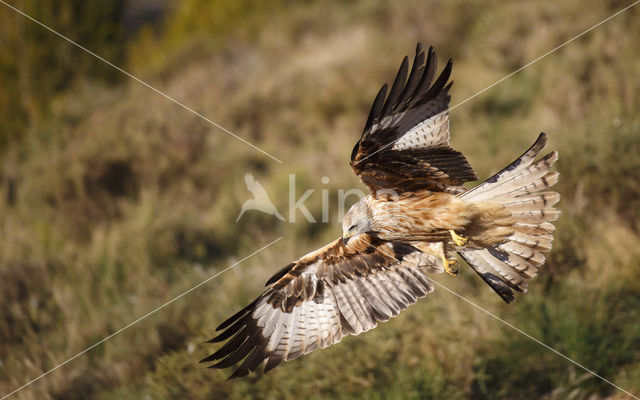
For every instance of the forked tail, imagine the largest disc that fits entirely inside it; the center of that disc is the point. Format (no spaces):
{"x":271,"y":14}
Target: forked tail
{"x":520,"y":189}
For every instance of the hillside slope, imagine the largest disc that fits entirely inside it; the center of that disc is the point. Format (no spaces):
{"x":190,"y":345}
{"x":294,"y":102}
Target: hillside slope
{"x":117,"y":200}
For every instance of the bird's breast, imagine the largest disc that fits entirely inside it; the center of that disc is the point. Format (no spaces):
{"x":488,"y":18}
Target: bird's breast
{"x":424,"y":216}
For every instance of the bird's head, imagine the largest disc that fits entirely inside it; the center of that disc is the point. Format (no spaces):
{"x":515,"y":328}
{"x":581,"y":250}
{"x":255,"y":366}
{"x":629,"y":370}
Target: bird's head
{"x":357,"y":220}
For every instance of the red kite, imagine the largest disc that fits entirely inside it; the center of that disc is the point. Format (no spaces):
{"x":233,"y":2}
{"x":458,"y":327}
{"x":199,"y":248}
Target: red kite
{"x":416,"y":217}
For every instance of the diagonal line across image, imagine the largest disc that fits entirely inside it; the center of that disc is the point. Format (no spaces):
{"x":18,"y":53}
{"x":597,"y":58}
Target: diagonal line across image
{"x":144,"y":83}
{"x":520,"y":331}
{"x":68,"y":360}
{"x":530,"y":63}
{"x":269,"y":155}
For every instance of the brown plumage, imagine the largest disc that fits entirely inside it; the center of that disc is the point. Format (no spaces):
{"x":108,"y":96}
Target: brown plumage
{"x":416,"y":216}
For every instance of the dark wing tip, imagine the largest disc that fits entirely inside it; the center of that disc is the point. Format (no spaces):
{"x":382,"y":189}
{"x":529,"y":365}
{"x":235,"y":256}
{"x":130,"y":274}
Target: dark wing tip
{"x":230,"y":320}
{"x":207,"y":359}
{"x":226,"y":323}
{"x":448,"y":87}
{"x":444,"y":77}
{"x":247,"y":346}
{"x":396,"y":89}
{"x":376,"y":107}
{"x":280,"y":274}
{"x":429,"y":72}
{"x":537,"y":146}
{"x":542,"y":136}
{"x":494,"y":281}
{"x":499,"y":286}
{"x":354,"y":152}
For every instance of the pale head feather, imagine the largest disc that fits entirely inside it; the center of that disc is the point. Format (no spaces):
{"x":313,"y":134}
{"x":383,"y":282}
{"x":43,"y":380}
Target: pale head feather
{"x":357,"y":220}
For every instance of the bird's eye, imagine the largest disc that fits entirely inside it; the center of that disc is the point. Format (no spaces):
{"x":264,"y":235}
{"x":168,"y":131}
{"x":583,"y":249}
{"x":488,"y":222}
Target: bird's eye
{"x":352,"y":227}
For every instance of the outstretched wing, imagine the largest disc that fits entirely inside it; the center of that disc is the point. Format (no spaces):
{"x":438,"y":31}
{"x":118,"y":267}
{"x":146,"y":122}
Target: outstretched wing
{"x":335,"y":291}
{"x":405,"y":143}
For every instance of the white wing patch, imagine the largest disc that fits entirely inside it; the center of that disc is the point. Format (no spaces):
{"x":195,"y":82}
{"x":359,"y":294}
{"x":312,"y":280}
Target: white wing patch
{"x":308,"y":327}
{"x":318,"y":306}
{"x":350,"y":307}
{"x":429,"y":133}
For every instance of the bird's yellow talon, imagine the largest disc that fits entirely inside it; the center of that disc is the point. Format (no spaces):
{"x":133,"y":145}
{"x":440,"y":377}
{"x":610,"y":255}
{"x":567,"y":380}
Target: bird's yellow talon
{"x":450,"y":266}
{"x":457,"y":239}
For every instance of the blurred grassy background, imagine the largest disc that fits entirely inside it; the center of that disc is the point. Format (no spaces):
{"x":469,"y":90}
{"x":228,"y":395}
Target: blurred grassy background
{"x":114,"y":200}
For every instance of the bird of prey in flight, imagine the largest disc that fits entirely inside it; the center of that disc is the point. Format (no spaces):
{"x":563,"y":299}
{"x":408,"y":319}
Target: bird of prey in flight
{"x":415,"y":218}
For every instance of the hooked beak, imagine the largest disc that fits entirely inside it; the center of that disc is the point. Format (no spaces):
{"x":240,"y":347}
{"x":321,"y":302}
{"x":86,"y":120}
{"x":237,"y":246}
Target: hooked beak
{"x":345,"y":237}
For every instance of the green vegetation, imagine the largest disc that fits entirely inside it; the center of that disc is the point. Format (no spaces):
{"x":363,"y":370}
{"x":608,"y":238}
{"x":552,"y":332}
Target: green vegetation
{"x":115,"y":200}
{"x":37,"y":65}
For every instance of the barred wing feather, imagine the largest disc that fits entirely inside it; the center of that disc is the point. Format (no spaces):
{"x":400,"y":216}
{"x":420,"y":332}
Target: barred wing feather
{"x":405,"y":143}
{"x":336,"y":291}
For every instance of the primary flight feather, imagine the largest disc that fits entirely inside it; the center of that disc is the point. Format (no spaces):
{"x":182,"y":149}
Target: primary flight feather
{"x":416,"y":216}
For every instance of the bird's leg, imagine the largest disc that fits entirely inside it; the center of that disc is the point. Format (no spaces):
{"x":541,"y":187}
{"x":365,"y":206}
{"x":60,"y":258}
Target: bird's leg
{"x":450,"y":266}
{"x":439,"y":249}
{"x":457,"y":239}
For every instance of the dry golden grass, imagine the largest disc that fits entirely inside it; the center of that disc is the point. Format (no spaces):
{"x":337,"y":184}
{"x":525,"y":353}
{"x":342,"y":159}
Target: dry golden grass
{"x":117,"y":200}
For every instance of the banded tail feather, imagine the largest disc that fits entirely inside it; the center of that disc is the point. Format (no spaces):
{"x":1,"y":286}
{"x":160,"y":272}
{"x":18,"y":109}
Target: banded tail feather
{"x":521,"y":189}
